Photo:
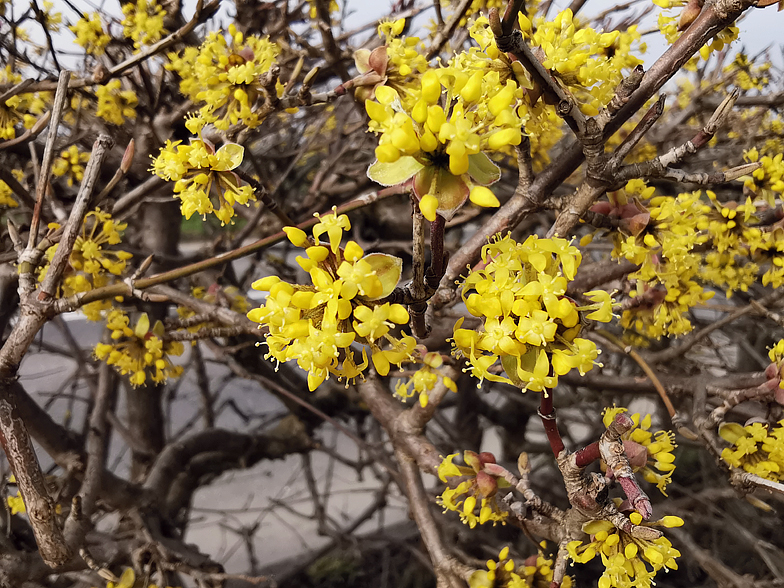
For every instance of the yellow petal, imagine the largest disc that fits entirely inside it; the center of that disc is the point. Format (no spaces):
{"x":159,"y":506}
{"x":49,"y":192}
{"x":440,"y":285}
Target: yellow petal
{"x":482,"y":196}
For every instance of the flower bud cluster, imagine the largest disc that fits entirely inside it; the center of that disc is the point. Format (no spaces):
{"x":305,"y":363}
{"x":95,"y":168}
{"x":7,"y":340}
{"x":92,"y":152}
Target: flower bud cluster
{"x":70,"y":164}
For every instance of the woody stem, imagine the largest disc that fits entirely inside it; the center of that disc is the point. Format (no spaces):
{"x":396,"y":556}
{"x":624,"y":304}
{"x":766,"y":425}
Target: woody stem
{"x":547,"y":414}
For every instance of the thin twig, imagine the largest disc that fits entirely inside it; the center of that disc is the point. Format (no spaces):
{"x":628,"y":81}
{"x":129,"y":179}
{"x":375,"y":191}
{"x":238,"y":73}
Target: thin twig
{"x":100,"y":149}
{"x":48,"y":158}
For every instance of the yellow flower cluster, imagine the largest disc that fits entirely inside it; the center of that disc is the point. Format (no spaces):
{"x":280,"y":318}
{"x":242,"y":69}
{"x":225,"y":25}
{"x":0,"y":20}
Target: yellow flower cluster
{"x":772,"y":129}
{"x":6,"y":194}
{"x":16,"y":504}
{"x":114,"y":103}
{"x":313,"y":13}
{"x":536,"y":572}
{"x":484,"y":6}
{"x":91,"y":264}
{"x":396,"y":64}
{"x":766,"y":181}
{"x":541,"y":122}
{"x":735,"y":242}
{"x":90,"y":34}
{"x":528,"y":322}
{"x":756,"y":448}
{"x":199,"y":171}
{"x":648,"y":452}
{"x":659,"y":233}
{"x":425,"y":379}
{"x":591,"y":62}
{"x":776,"y":369}
{"x":22,"y":108}
{"x":317,"y":324}
{"x":51,"y":18}
{"x":628,"y":561}
{"x":668,"y":24}
{"x":143,"y":22}
{"x":225,"y":77}
{"x":442,"y":142}
{"x":681,"y":243}
{"x":478,"y":489}
{"x":70,"y":164}
{"x":748,"y":75}
{"x":141,"y":352}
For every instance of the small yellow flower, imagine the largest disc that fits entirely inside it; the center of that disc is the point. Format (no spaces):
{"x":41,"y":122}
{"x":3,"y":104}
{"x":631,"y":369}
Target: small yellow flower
{"x":425,"y":379}
{"x":140,"y":352}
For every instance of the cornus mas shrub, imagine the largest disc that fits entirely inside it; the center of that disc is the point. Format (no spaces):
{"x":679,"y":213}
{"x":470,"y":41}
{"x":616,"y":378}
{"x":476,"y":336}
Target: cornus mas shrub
{"x":526,"y":270}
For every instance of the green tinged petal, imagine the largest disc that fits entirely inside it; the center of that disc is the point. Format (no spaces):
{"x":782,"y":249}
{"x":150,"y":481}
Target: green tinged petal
{"x":388,"y":270}
{"x":482,"y":170}
{"x":391,"y":174}
{"x":233,"y":154}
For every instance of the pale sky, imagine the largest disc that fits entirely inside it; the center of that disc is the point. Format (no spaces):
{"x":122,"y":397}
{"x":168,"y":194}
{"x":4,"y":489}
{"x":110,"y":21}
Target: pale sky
{"x":759,"y":29}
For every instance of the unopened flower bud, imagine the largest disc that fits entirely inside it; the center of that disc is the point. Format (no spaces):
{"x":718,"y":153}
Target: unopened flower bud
{"x":486,"y":485}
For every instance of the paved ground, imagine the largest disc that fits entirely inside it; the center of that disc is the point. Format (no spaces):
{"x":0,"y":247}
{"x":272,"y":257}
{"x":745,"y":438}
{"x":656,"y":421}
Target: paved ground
{"x":240,"y":499}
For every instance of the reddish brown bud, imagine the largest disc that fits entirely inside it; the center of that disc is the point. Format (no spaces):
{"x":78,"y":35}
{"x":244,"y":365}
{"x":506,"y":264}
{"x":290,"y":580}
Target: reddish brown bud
{"x":637,"y":454}
{"x":125,"y":164}
{"x":486,"y":457}
{"x":247,"y":54}
{"x":602,"y":208}
{"x":772,"y":371}
{"x":486,"y":485}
